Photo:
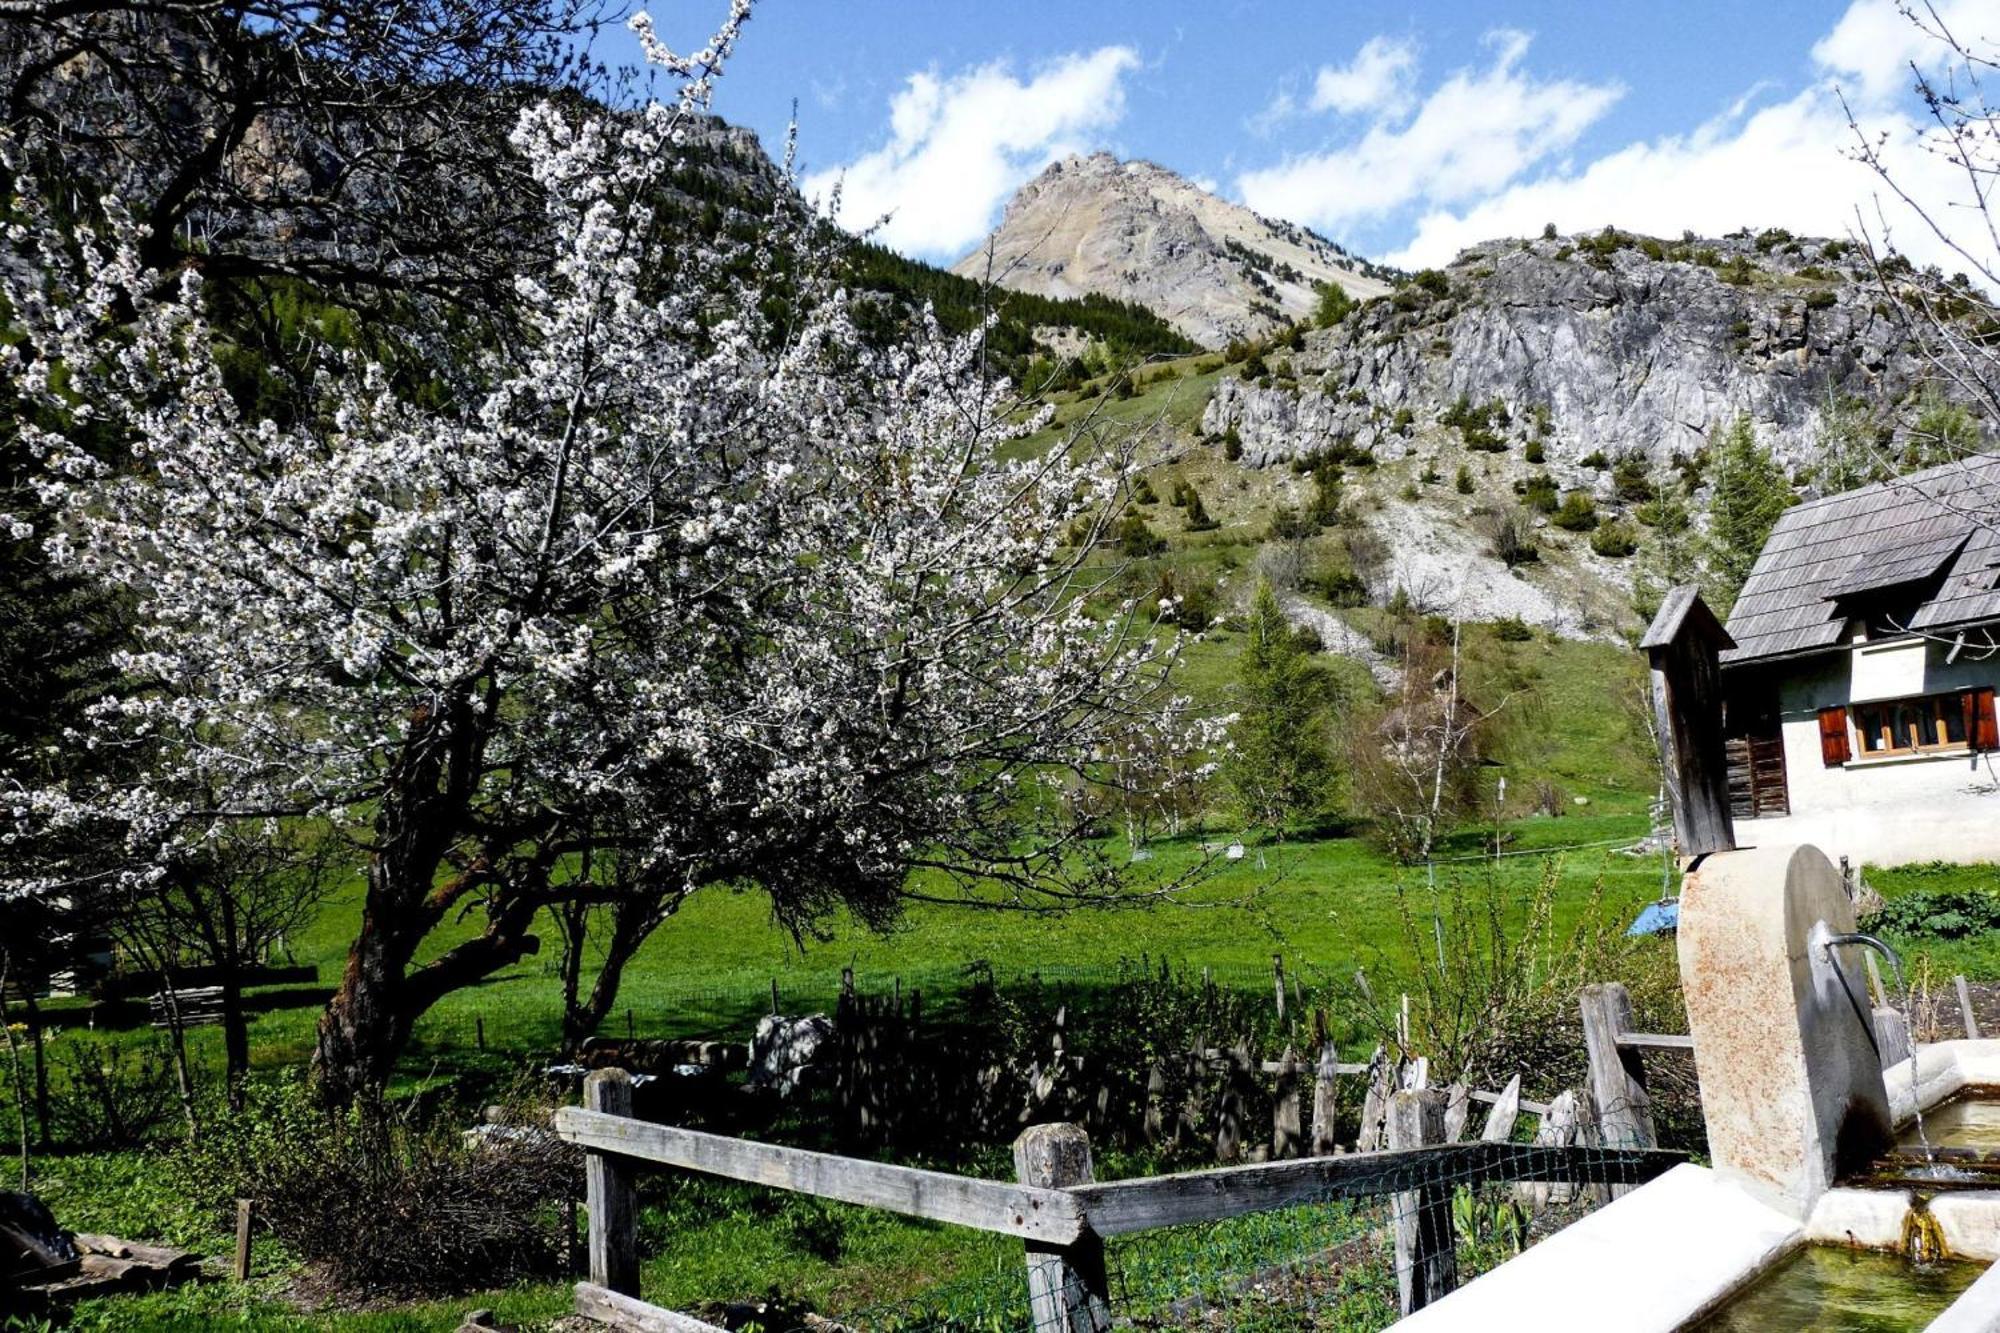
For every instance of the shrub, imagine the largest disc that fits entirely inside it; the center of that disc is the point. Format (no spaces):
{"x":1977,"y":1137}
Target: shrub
{"x":1430,"y":476}
{"x":1820,"y":301}
{"x":111,"y":1094}
{"x":1404,"y":421}
{"x":1513,"y":630}
{"x":1535,"y":452}
{"x":1143,"y":492}
{"x":1630,"y":478}
{"x":1548,"y":231}
{"x":1595,"y":459}
{"x":1288,"y":524}
{"x":1334,"y":304}
{"x":1232,"y":444}
{"x":1136,"y":538}
{"x":1514,"y":539}
{"x":1940,"y":914}
{"x":387,"y":1203}
{"x":1615,"y":540}
{"x":1578,"y":512}
{"x":1539,"y":492}
{"x":1464,"y":480}
{"x":1432,"y":281}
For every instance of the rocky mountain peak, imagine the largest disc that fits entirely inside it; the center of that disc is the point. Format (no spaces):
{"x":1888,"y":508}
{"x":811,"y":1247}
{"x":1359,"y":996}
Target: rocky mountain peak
{"x":1135,"y":231}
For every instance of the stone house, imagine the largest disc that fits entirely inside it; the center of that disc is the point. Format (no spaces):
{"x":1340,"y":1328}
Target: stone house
{"x":1859,"y":696}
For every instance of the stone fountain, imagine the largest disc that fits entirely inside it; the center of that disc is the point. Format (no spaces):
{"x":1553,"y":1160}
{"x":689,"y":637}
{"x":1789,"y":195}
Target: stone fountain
{"x":1795,"y":1096}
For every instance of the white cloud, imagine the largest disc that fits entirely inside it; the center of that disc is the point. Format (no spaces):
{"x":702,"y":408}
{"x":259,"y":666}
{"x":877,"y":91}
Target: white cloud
{"x":1871,"y":52}
{"x":1471,"y":137}
{"x":1786,"y":164}
{"x":1377,"y":80}
{"x":960,"y":145}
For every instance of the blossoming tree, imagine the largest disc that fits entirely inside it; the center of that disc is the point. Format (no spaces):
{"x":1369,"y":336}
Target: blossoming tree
{"x":688,"y":583}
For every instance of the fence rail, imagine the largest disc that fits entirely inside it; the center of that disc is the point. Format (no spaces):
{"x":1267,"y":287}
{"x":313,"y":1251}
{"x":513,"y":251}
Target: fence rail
{"x":1057,"y":1209}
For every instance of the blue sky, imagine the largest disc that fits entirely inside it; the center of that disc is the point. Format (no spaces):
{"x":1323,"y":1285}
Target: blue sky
{"x":1405,"y":133}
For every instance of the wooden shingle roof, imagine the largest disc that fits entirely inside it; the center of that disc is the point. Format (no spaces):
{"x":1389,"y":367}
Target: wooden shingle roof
{"x":1941,"y":524}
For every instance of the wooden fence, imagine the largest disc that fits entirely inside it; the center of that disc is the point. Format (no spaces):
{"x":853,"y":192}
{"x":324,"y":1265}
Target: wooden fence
{"x":1056,"y":1208}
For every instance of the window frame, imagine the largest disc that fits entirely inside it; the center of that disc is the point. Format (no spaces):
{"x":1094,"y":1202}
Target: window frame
{"x":1890,"y":711}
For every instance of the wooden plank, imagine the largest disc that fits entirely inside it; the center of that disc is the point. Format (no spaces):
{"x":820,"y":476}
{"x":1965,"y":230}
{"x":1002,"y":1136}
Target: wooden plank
{"x":1375,"y":1104}
{"x":608,"y":1187}
{"x":1892,"y":1036}
{"x":984,"y":1205}
{"x":1426,"y":1256}
{"x":241,"y":1270}
{"x":1457,"y":1110}
{"x":1326,"y":1102}
{"x":1520,"y":1103}
{"x":629,"y":1313}
{"x":1656,"y":1041}
{"x":1069,"y":1287}
{"x":1123,"y":1206}
{"x":1506,"y":1110}
{"x":1617,"y":1074}
{"x":1965,"y":1009}
{"x":1287,"y":1111}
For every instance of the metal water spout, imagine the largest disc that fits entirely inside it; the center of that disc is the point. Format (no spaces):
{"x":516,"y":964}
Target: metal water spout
{"x":1895,"y":960}
{"x":1867,"y":941}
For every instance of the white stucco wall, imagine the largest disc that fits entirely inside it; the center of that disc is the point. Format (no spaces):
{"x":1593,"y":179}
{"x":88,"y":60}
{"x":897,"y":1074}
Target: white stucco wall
{"x":1883,"y":811}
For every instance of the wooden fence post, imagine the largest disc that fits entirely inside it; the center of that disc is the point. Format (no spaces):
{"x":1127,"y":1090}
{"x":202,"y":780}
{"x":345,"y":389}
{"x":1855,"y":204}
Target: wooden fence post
{"x":1892,"y":1036}
{"x":608,"y":1191}
{"x":1426,"y":1258}
{"x":1287,"y":1134}
{"x":1965,"y":1009}
{"x":243,"y":1216}
{"x":1069,"y":1290}
{"x":1326,"y":1101}
{"x":1617,"y":1073}
{"x":1278,"y":984}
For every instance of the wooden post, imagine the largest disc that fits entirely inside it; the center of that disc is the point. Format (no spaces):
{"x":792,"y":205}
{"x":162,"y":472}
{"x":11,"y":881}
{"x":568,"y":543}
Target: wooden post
{"x":243,"y":1212}
{"x":1683,"y":645}
{"x":608,"y":1191}
{"x":1965,"y":1009}
{"x":1506,"y":1110}
{"x":1326,"y":1104}
{"x":1287,"y":1134}
{"x":1375,"y":1103}
{"x":1069,"y":1290}
{"x":1874,"y":978}
{"x":479,"y":1030}
{"x":1457,"y":1110}
{"x":1892,"y":1036}
{"x":1426,"y":1258}
{"x":1617,"y":1073}
{"x":1278,"y":983}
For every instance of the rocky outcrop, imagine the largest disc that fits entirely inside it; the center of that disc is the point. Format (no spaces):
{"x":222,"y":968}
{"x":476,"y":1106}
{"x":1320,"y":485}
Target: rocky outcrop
{"x":1138,"y":232}
{"x":1614,"y":344}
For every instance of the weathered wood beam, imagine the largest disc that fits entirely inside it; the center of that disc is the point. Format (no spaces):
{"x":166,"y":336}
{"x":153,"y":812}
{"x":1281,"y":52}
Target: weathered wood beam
{"x":1050,"y":1216}
{"x":1123,"y":1206}
{"x":629,"y":1313}
{"x":1656,"y":1041}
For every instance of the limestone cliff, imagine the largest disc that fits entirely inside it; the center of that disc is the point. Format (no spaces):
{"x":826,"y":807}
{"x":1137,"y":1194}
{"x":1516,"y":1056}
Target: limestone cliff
{"x":1138,"y":232}
{"x":1607,"y":343}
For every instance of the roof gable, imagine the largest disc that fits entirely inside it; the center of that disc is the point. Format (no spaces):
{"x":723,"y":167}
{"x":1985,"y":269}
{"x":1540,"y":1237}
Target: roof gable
{"x":1940,"y":524}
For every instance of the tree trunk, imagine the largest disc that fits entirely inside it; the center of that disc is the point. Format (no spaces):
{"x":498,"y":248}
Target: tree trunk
{"x":41,"y":1072}
{"x":363,"y":1029}
{"x":633,"y":920}
{"x":235,"y":1023}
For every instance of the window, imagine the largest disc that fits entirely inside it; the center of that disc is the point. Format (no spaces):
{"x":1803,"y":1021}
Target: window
{"x":1922,"y":724}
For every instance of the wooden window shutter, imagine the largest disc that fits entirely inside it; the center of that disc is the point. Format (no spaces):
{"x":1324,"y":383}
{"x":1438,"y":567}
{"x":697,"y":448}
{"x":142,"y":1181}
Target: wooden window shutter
{"x":1833,"y":749}
{"x":1982,"y":729}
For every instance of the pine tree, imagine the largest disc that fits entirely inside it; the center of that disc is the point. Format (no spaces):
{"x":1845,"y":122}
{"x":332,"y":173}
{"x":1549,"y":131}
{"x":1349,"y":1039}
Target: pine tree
{"x":1669,"y":552}
{"x":1282,"y":767}
{"x":1751,"y":491}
